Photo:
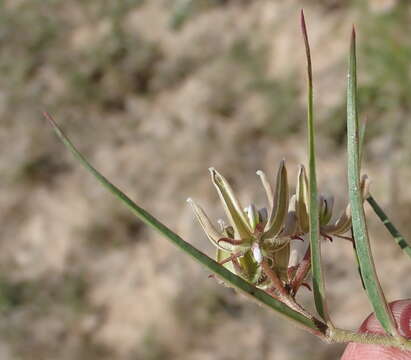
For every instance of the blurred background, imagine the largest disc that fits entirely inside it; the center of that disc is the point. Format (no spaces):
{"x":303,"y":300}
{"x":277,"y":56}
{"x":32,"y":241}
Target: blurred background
{"x":153,"y":93}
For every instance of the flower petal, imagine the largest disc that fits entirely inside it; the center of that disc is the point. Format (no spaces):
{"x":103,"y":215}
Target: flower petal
{"x":232,"y":206}
{"x":280,"y":204}
{"x":268,"y":189}
{"x":263,"y":215}
{"x":226,"y":230}
{"x":213,"y":235}
{"x":281,"y":259}
{"x":326,"y":209}
{"x":291,"y":221}
{"x":298,"y":250}
{"x":253,"y":216}
{"x":302,"y":200}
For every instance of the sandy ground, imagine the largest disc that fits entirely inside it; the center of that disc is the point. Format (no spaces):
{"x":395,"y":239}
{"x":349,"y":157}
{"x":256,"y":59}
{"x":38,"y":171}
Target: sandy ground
{"x":152,"y":109}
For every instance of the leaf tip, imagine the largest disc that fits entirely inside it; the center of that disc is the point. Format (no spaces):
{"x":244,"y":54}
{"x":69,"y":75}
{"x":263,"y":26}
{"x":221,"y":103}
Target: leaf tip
{"x":307,"y":48}
{"x":303,"y":25}
{"x":353,"y":37}
{"x":213,"y":173}
{"x":49,"y":118}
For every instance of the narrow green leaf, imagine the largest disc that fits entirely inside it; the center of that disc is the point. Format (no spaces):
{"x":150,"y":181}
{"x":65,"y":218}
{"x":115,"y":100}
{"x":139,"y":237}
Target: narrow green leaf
{"x":363,"y":128}
{"x":399,"y":239}
{"x":241,"y":285}
{"x":315,"y":240}
{"x":371,"y":282}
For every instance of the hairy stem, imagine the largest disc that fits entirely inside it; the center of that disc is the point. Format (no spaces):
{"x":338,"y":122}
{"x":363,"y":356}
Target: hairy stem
{"x":344,"y":336}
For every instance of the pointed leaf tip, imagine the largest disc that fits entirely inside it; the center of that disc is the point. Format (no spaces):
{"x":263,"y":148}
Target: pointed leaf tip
{"x":353,"y":39}
{"x":50,"y":119}
{"x":308,"y":57}
{"x":303,"y":25}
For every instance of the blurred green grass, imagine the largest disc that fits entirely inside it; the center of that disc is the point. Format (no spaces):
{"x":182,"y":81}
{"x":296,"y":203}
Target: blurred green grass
{"x":112,"y":81}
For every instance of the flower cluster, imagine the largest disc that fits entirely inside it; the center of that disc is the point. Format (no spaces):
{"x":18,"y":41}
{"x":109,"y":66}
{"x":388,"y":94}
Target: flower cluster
{"x":268,"y":247}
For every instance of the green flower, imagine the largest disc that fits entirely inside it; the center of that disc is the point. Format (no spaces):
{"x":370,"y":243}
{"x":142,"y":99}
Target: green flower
{"x":256,"y":243}
{"x":252,"y":240}
{"x":328,"y":227}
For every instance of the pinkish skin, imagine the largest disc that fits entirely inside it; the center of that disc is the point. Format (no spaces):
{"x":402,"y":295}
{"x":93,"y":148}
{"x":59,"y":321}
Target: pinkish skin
{"x":402,"y":313}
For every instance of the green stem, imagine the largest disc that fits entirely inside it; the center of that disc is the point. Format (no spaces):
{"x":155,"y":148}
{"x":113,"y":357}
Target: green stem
{"x":344,"y":336}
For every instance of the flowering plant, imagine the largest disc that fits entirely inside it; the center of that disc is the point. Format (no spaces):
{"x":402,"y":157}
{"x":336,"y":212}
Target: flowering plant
{"x":268,"y":253}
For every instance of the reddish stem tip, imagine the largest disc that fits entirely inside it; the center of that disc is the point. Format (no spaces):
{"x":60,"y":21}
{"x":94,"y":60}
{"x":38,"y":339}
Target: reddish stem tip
{"x":303,"y":26}
{"x":47,"y":116}
{"x":50,"y":119}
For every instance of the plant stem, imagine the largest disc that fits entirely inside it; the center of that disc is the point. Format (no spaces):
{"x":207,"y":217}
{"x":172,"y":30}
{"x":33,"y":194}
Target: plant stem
{"x":344,"y":336}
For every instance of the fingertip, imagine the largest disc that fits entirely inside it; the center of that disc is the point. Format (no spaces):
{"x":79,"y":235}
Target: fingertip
{"x":402,"y":313}
{"x":374,"y":352}
{"x":401,"y":310}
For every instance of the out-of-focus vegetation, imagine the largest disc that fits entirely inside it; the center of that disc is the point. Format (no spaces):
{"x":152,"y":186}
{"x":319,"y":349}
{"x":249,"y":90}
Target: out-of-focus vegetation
{"x":385,"y":85}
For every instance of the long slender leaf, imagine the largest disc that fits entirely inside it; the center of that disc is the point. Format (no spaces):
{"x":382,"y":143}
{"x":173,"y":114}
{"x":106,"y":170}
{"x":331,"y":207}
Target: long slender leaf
{"x":399,"y":239}
{"x":314,"y":326}
{"x":361,"y":155}
{"x":363,"y":128}
{"x":315,"y":239}
{"x":372,"y":285}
